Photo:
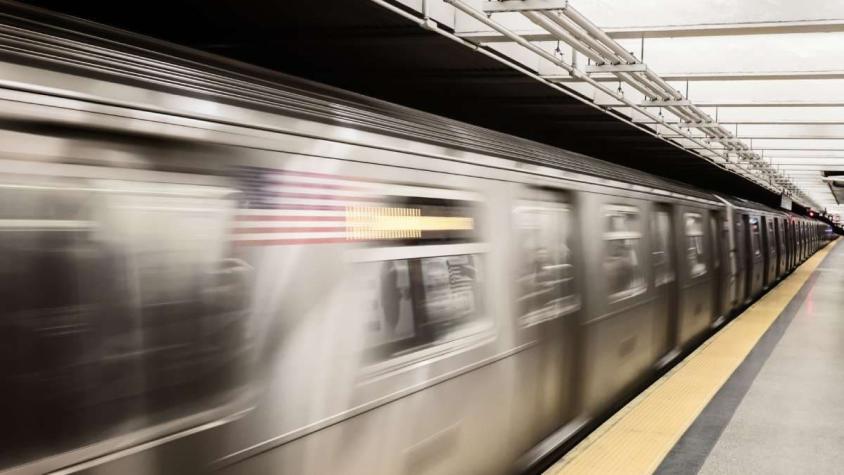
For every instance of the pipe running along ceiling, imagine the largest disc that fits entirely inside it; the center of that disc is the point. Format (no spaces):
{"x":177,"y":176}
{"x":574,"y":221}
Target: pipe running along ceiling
{"x":747,"y":86}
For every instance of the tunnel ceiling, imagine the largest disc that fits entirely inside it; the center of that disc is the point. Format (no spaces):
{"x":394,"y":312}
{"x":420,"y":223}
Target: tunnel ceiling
{"x":360,"y":46}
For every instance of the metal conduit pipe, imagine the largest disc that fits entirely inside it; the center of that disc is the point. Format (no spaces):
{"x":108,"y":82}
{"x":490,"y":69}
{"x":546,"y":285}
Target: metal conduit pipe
{"x":564,"y":35}
{"x":581,"y":35}
{"x":699,"y":116}
{"x":592,"y":49}
{"x":524,"y":43}
{"x":661,"y":86}
{"x":656,"y":92}
{"x":661,"y":82}
{"x":571,"y":18}
{"x":720,"y":132}
{"x":433,"y":27}
{"x":695,"y":113}
{"x":716,"y":132}
{"x":597,"y":33}
{"x":683,"y":115}
{"x":469,"y":10}
{"x":631,"y":80}
{"x":516,"y":38}
{"x":661,"y":89}
{"x":584,"y":23}
{"x":717,"y":128}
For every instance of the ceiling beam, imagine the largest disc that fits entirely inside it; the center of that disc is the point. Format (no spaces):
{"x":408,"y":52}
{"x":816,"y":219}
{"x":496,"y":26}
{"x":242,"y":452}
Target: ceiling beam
{"x":818,"y":165}
{"x":788,"y":168}
{"x":677,"y":31}
{"x":760,"y":121}
{"x":783,"y":136}
{"x":715,"y":76}
{"x":726,"y":104}
{"x":729,"y":29}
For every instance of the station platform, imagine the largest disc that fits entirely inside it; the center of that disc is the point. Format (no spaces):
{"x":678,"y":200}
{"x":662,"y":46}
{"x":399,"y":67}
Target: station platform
{"x":761,"y":396}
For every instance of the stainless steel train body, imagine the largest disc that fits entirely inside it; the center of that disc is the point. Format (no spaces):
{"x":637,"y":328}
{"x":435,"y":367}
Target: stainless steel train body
{"x":213,"y":272}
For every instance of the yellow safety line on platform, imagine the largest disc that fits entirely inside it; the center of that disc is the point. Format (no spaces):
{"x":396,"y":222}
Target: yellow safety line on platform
{"x":637,"y":438}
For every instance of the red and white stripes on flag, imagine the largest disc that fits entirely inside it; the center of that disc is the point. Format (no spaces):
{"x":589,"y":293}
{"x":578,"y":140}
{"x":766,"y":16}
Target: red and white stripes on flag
{"x":284,"y":207}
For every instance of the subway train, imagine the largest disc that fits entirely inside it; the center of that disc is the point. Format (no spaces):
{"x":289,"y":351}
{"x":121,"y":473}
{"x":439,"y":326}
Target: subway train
{"x":211,"y":267}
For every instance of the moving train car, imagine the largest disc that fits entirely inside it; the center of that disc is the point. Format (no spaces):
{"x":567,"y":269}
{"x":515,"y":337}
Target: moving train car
{"x":212,"y":267}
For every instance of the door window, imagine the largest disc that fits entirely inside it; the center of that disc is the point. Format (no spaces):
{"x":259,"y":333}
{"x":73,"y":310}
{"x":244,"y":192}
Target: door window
{"x":694,"y":244}
{"x":622,"y":266}
{"x":662,"y":251}
{"x":755,"y":237}
{"x":545,"y":277}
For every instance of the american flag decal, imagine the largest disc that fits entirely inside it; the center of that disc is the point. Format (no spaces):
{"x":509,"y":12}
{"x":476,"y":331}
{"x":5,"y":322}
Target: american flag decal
{"x":284,"y":207}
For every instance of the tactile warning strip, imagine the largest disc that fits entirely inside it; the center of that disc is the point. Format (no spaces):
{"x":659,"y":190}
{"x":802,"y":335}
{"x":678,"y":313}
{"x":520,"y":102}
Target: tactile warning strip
{"x":640,"y":435}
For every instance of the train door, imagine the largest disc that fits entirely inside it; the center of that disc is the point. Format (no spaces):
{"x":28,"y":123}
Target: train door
{"x":546,"y":304}
{"x":738,"y":258}
{"x":729,"y":262}
{"x":696,"y":276}
{"x":756,"y":256}
{"x":770,"y":251}
{"x":774,"y":251}
{"x":802,"y":234}
{"x":812,"y":234}
{"x":718,"y":279}
{"x":621,"y":319}
{"x":802,"y":240}
{"x":809,"y":244}
{"x":748,"y":256}
{"x":790,"y":243}
{"x":781,"y":252}
{"x":665,"y":281}
{"x":766,"y":250}
{"x":798,"y":227}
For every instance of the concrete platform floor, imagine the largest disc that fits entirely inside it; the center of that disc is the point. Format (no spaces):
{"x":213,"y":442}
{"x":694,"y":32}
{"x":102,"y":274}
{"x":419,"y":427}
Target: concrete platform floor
{"x":782,"y":410}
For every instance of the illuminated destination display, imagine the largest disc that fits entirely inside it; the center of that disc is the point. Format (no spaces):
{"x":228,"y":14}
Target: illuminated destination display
{"x":364,"y":223}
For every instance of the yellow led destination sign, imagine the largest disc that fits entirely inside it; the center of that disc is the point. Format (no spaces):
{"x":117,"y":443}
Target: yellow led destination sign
{"x":399,"y":223}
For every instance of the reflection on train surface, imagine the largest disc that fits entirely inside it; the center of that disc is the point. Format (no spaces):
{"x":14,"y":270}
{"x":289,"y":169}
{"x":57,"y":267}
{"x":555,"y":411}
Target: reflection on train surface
{"x":252,"y":292}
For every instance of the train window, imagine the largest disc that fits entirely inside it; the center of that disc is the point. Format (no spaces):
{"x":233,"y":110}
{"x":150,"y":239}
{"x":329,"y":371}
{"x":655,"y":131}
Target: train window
{"x":426,"y":293}
{"x":662,"y":252}
{"x":422,"y":302}
{"x":123,"y":309}
{"x":621,"y":259}
{"x":545,"y":276}
{"x":694,"y":244}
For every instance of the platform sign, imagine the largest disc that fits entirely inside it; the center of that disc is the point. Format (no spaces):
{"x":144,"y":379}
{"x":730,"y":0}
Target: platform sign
{"x":785,"y":202}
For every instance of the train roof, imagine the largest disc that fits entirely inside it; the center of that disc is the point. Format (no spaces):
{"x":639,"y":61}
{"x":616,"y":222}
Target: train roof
{"x":752,"y":205}
{"x":161,"y":65}
{"x":392,"y":119}
{"x":746,"y":204}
